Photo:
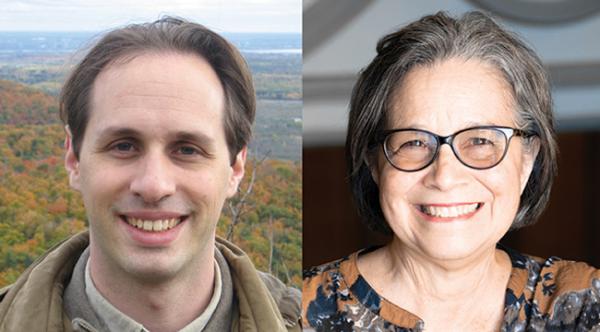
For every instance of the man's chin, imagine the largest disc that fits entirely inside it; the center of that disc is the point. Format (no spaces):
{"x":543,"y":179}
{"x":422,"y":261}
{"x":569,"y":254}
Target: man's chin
{"x":153,"y":268}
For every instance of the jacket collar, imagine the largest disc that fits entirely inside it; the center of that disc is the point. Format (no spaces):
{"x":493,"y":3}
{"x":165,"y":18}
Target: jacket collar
{"x":264,"y":302}
{"x":35,"y":300}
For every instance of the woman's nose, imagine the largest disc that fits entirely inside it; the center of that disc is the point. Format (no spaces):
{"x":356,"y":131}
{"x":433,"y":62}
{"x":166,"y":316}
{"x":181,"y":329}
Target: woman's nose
{"x":446,"y":172}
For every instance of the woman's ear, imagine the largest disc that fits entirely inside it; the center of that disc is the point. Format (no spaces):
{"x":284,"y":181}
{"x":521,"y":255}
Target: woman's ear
{"x":373,"y":165}
{"x":531,"y":148}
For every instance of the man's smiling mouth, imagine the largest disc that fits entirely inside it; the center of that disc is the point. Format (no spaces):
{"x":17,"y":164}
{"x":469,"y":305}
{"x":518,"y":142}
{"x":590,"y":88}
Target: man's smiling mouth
{"x":450,"y":211}
{"x":154,"y":225}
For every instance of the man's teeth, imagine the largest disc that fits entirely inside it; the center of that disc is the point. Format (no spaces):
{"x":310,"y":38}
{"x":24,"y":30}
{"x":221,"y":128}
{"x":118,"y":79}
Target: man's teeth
{"x":153,"y":225}
{"x":449,"y":211}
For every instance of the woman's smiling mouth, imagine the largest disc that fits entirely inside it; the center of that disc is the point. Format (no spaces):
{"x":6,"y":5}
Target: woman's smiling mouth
{"x":448,"y":212}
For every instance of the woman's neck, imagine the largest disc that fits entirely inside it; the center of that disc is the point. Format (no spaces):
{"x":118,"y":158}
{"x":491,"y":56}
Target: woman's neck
{"x":468,"y":289}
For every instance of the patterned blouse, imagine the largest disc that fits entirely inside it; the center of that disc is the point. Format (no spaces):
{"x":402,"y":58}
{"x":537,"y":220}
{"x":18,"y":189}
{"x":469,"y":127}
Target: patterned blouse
{"x":541,"y":295}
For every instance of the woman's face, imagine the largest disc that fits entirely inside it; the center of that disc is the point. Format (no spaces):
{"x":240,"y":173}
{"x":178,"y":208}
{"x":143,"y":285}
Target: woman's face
{"x":430,"y":211}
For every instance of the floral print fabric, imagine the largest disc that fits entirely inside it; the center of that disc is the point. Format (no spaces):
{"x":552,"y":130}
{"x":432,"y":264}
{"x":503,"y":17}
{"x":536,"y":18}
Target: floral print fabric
{"x":541,"y":295}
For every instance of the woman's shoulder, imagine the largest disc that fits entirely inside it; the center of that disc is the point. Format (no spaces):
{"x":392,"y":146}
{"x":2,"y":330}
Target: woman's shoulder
{"x":325,"y":279}
{"x":554,"y":293}
{"x":335,"y":297}
{"x":570,"y":273}
{"x":323,"y":287}
{"x":554,"y":276}
{"x":561,"y":281}
{"x":331,"y":279}
{"x":318,"y":273}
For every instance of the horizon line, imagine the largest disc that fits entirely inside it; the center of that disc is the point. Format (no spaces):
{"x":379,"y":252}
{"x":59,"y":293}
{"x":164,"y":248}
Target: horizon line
{"x":102,"y":31}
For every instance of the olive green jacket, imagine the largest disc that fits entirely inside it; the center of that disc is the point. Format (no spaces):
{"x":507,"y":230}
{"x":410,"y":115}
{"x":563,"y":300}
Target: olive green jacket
{"x":35,"y":301}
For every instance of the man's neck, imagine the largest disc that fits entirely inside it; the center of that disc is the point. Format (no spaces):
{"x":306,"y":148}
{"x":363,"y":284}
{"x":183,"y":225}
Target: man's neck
{"x":159,"y":305}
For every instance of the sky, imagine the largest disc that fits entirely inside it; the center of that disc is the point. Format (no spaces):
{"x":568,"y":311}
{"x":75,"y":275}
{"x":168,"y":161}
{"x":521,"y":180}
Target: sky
{"x":100,"y":15}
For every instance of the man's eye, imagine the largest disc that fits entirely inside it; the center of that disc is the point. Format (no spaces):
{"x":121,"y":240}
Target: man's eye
{"x":123,"y":147}
{"x":187,"y":150}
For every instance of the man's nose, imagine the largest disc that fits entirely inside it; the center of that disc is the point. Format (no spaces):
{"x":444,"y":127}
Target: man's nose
{"x":154,"y":180}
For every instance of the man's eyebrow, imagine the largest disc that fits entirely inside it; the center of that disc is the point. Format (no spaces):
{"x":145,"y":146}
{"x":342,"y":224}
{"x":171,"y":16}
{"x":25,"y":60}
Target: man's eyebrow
{"x":193,"y":136}
{"x":190,"y":136}
{"x":117,"y":131}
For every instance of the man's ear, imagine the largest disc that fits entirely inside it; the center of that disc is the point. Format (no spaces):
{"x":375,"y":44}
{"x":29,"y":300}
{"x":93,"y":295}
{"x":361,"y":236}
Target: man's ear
{"x":530,"y":152}
{"x":71,"y":161}
{"x":237,"y":172}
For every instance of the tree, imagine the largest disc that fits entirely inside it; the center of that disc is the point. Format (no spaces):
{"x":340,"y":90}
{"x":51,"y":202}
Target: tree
{"x":238,"y":207}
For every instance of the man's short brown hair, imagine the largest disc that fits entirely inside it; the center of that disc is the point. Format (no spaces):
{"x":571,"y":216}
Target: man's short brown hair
{"x":165,"y":35}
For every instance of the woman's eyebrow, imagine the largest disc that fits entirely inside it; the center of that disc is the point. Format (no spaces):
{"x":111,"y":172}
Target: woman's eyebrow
{"x":422,"y":126}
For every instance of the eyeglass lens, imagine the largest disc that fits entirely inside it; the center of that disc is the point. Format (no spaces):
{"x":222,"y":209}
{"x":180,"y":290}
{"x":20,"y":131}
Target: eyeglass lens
{"x":411,"y":150}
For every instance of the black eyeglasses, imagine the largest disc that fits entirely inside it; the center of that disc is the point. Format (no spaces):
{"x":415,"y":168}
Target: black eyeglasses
{"x":482,"y":147}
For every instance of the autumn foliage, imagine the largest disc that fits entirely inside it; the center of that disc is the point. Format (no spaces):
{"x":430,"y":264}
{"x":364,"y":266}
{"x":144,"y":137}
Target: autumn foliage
{"x":20,"y":105}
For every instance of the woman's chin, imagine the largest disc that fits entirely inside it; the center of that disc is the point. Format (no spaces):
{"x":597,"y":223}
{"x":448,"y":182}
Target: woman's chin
{"x":457,"y":250}
{"x":453,"y":241}
{"x":451,"y":253}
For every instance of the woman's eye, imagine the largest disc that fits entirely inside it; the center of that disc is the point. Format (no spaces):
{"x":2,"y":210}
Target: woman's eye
{"x":481,"y":141}
{"x":414,"y":144}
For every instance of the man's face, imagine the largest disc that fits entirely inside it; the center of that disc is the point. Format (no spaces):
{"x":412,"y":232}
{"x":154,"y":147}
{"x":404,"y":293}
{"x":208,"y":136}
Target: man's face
{"x":154,"y":168}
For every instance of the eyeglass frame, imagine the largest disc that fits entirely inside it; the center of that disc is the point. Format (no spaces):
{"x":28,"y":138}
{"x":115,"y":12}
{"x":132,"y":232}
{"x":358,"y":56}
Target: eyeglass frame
{"x":508,"y":132}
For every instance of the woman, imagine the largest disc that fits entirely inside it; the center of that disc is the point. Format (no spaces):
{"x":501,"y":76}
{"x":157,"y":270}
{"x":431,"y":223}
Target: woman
{"x":451,"y":144}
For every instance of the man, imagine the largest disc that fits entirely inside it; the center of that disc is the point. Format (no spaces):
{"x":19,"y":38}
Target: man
{"x":158,"y":117}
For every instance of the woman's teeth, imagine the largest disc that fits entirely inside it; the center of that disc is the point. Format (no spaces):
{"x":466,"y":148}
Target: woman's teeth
{"x":153,"y":225}
{"x":449,"y":211}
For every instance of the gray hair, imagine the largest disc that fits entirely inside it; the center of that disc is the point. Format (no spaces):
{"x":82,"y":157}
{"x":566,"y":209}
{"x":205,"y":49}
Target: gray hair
{"x":435,"y":38}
